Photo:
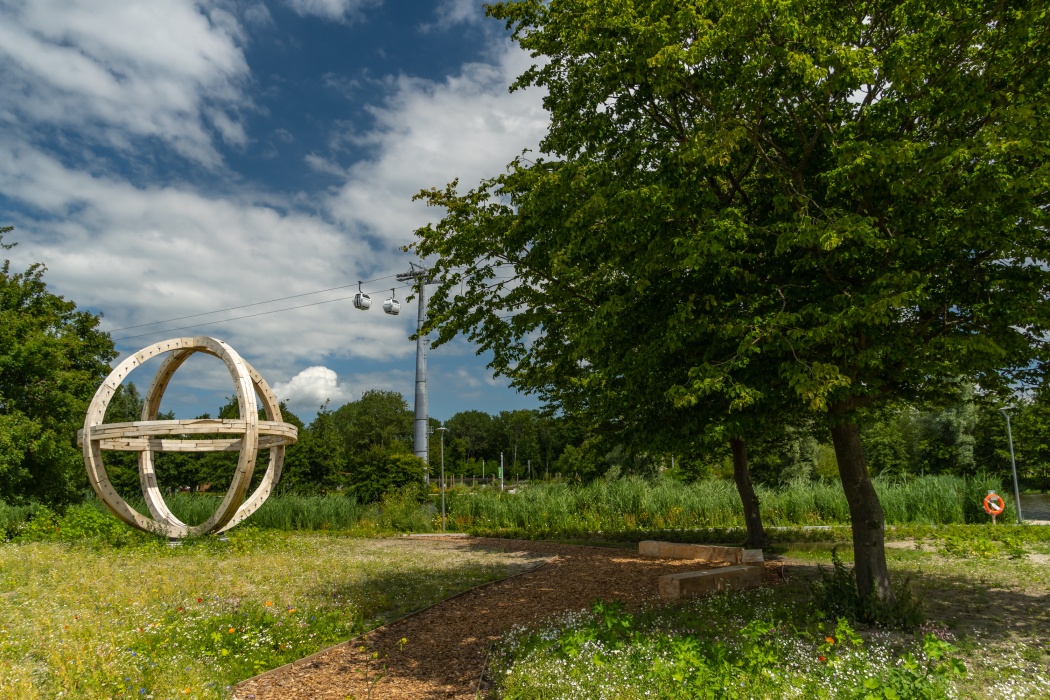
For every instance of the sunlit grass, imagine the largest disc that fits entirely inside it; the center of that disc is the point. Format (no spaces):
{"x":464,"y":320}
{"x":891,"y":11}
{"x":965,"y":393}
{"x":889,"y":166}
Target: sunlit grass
{"x":635,"y":504}
{"x":149,"y":621}
{"x":628,"y":506}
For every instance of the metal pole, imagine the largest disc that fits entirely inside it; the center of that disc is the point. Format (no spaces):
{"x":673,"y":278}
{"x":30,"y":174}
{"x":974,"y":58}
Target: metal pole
{"x":1013,"y":462}
{"x":422,"y":419}
{"x":420,"y":446}
{"x":442,"y":431}
{"x":500,"y":471}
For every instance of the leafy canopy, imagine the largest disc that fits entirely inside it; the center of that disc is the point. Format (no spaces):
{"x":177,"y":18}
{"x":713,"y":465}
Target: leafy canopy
{"x":842,"y":204}
{"x":52,"y":358}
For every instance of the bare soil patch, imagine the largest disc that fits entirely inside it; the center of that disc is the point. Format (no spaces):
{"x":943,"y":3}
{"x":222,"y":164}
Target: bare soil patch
{"x":446,"y":646}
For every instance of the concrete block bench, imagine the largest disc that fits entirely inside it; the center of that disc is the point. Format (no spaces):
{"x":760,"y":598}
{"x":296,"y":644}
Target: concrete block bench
{"x":704,"y":552}
{"x":693,"y":583}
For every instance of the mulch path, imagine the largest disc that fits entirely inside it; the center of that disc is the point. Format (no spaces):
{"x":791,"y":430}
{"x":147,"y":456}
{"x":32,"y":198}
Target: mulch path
{"x":448,"y":644}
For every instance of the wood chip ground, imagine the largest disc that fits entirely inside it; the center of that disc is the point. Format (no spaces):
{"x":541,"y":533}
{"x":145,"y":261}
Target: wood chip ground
{"x":447,"y":645}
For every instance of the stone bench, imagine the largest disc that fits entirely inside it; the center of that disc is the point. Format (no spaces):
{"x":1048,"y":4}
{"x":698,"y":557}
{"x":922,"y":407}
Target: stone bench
{"x":704,"y":552}
{"x":694,"y":583}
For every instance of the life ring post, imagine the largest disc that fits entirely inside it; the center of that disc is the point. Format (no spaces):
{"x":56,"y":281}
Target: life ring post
{"x":994,"y":505}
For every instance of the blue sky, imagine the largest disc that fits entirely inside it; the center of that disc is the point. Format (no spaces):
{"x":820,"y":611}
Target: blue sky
{"x":172,"y":158}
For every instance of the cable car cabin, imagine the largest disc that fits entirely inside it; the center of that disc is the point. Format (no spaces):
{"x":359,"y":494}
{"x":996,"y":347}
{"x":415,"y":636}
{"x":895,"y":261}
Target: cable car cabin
{"x":392,"y":306}
{"x":361,"y":300}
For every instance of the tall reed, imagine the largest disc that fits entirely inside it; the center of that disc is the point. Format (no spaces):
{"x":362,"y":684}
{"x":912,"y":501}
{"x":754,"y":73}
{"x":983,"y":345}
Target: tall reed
{"x":621,"y":505}
{"x":636,"y":504}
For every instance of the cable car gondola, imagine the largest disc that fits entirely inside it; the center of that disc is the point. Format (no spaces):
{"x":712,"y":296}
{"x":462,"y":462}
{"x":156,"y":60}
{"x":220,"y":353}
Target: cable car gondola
{"x":361,"y":300}
{"x":392,"y":306}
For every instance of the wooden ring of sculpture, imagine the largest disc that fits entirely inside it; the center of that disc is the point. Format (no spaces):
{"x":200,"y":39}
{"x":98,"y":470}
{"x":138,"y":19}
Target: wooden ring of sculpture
{"x":150,"y":435}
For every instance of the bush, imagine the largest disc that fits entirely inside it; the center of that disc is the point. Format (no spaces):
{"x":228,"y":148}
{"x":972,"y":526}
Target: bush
{"x":400,"y":510}
{"x":78,"y":523}
{"x":381,"y":473}
{"x":12,"y":518}
{"x":837,"y":597}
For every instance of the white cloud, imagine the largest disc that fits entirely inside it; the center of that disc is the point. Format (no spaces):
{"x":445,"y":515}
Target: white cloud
{"x":465,"y":377}
{"x":143,"y":253}
{"x":117,"y":70}
{"x":428,"y":133}
{"x":453,"y":12}
{"x":311,"y":388}
{"x":330,"y":9}
{"x":148,"y":254}
{"x":323,"y":165}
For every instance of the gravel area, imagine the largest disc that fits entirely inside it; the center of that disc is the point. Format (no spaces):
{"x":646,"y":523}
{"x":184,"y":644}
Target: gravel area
{"x":446,"y":645}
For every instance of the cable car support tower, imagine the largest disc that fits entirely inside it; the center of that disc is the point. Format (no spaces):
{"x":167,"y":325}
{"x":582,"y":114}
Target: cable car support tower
{"x":421,"y":277}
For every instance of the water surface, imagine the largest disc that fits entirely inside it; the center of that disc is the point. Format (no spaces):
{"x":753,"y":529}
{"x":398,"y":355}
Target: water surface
{"x":1035,"y":506}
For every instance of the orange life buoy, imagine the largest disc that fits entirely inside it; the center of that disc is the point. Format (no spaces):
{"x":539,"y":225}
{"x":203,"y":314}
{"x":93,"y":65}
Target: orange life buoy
{"x":993,"y":504}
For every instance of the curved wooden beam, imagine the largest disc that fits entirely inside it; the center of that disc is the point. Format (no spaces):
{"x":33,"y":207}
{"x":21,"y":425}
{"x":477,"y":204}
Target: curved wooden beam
{"x":148,"y":435}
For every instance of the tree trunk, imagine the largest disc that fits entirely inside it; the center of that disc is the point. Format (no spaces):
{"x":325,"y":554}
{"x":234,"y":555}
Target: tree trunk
{"x":866,"y":518}
{"x":756,"y":534}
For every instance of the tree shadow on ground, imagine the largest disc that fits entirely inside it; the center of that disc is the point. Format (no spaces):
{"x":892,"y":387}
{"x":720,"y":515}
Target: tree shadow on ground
{"x":967,"y":605}
{"x":445,"y":648}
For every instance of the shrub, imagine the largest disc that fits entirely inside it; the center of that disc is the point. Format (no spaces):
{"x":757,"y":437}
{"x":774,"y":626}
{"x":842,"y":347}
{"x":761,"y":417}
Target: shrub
{"x":400,"y":510}
{"x":836,"y":596}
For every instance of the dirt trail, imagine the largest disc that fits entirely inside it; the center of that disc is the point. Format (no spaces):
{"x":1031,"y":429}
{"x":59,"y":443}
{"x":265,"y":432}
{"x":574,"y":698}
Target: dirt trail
{"x":447,"y":644}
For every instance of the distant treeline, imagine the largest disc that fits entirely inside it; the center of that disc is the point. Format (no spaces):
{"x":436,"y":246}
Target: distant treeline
{"x":966,"y":438}
{"x":364,"y":448}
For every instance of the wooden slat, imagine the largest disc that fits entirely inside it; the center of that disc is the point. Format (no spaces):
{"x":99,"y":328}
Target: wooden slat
{"x":161,"y":445}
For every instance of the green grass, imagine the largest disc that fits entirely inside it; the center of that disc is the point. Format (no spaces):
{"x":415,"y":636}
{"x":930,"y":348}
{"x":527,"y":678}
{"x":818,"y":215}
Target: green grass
{"x":633,"y":504}
{"x":984,"y":591}
{"x":87,"y":620}
{"x":758,"y":644}
{"x":287,"y":512}
{"x":624,"y":508}
{"x":90,"y":608}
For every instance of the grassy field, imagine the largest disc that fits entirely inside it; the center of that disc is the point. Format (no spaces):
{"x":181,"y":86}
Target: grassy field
{"x":90,"y":608}
{"x":86,"y":620}
{"x":985,"y":636}
{"x":634,"y":504}
{"x":627,"y":506}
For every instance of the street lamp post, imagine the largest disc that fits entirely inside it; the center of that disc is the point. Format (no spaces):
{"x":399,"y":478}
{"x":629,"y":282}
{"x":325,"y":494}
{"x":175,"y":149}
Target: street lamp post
{"x":442,"y":430}
{"x":1013,"y":460}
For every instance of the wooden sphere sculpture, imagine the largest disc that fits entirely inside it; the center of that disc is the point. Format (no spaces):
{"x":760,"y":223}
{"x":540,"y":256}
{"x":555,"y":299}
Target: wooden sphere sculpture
{"x":150,"y":435}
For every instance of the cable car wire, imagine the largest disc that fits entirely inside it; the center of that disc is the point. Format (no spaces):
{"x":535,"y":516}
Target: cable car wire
{"x":261,"y":313}
{"x":235,"y":318}
{"x":243,"y":306}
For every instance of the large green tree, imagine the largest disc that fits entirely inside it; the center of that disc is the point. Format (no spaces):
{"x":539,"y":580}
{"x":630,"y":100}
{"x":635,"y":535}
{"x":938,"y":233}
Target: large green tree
{"x":473,"y":432}
{"x":52,"y":359}
{"x":377,"y":419}
{"x":845,"y":204}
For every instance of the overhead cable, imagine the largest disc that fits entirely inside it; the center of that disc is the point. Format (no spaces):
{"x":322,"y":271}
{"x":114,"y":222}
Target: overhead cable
{"x":245,"y":306}
{"x":235,"y":318}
